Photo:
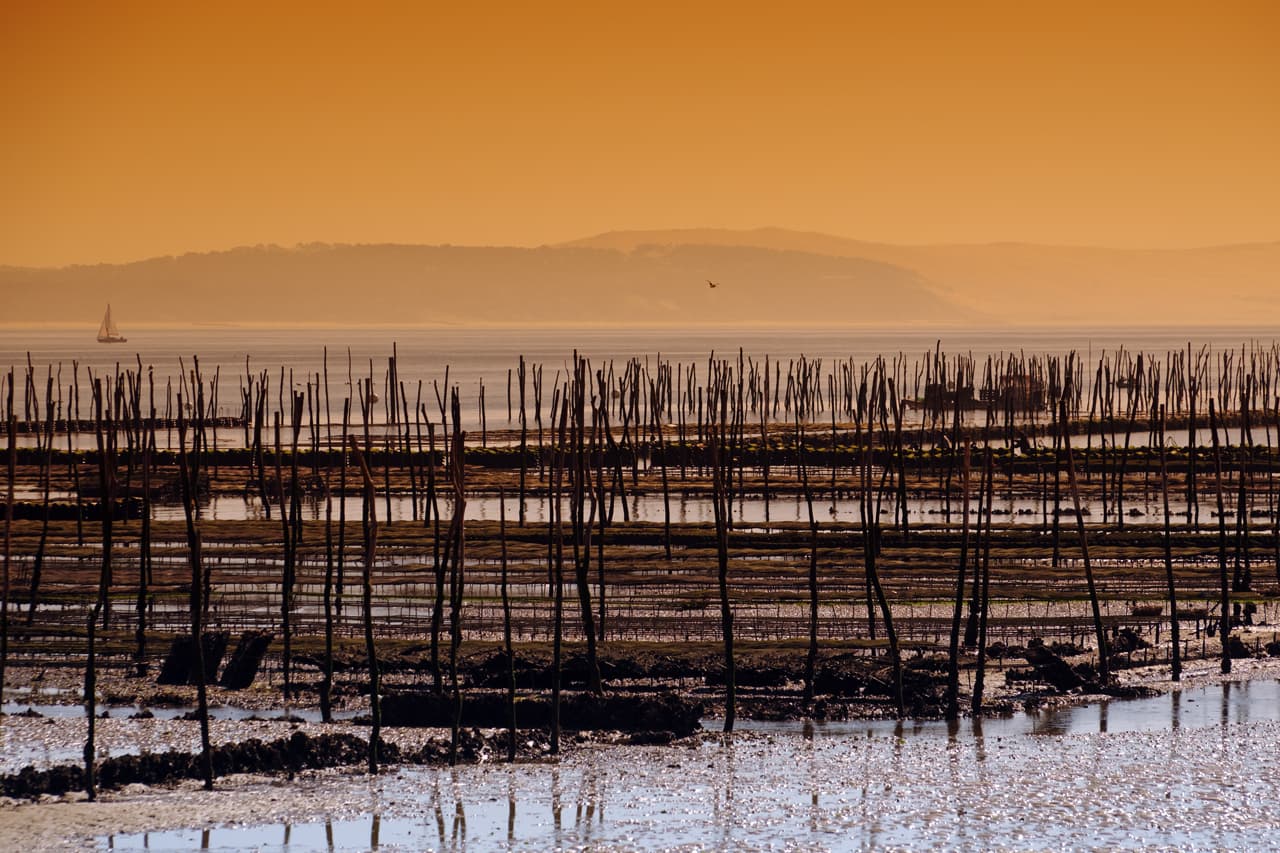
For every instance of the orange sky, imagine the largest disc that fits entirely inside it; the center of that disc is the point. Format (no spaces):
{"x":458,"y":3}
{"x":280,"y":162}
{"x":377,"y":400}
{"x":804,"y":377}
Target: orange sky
{"x":136,"y":129}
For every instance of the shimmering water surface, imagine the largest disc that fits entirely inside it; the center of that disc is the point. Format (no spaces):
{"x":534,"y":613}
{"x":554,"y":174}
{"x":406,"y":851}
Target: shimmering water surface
{"x":1188,"y":770}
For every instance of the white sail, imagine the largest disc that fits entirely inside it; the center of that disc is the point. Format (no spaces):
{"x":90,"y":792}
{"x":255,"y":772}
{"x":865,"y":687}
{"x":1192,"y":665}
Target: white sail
{"x":107,"y":331}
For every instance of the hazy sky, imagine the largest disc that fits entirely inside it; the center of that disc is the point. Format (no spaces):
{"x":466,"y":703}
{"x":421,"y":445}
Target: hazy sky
{"x":136,"y":129}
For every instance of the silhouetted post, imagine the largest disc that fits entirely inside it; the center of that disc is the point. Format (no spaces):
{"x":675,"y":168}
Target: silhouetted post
{"x":370,"y":552}
{"x":1242,"y":576}
{"x":144,"y":552}
{"x":811,"y":658}
{"x":599,"y":428}
{"x":438,"y":563}
{"x":764,"y":446}
{"x":1193,"y":386}
{"x":1168,"y":558}
{"x":557,"y":568}
{"x":46,"y":476}
{"x":953,"y":668}
{"x":506,"y":631}
{"x":72,"y":457}
{"x":342,"y":515}
{"x":524,"y":442}
{"x":105,"y":481}
{"x":718,"y":475}
{"x":326,"y":684}
{"x":286,"y":579}
{"x":984,"y":598}
{"x":456,"y":577}
{"x":11,"y":469}
{"x":654,"y":404}
{"x":581,"y":524}
{"x":1224,"y":622}
{"x":1104,"y":665}
{"x":1057,"y":488}
{"x":190,"y":472}
{"x":871,"y":526}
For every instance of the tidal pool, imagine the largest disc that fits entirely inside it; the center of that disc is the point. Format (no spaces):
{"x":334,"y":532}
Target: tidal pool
{"x":1185,"y":770}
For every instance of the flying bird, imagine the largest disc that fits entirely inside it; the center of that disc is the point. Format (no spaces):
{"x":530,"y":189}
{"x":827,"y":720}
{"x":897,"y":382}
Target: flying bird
{"x":711,"y":284}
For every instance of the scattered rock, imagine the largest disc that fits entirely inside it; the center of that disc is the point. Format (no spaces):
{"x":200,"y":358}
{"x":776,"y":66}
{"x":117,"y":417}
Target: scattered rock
{"x":179,"y":665}
{"x":245,"y":661}
{"x":1127,"y":640}
{"x":1052,"y":669}
{"x":1236,"y":648}
{"x":578,"y":711}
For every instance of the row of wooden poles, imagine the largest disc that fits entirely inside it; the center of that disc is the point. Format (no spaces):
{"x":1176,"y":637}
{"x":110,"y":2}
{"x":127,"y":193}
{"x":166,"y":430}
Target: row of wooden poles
{"x":639,"y":393}
{"x":577,"y":472}
{"x":1126,"y":393}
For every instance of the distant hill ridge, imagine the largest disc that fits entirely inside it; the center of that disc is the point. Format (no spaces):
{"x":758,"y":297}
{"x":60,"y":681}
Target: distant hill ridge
{"x":765,"y":276}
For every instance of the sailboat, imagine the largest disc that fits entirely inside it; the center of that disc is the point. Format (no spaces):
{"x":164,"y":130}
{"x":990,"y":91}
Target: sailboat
{"x":107,"y":332}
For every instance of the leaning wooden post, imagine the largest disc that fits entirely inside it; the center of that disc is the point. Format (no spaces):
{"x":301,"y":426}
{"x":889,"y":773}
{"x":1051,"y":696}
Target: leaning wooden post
{"x":719,"y":502}
{"x":370,"y":551}
{"x":189,"y":475}
{"x":46,"y":476}
{"x":1104,"y":667}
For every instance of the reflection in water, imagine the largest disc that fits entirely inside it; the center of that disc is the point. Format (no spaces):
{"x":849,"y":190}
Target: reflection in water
{"x":991,"y":783}
{"x":811,"y":773}
{"x":590,"y":809}
{"x":954,"y":768}
{"x":438,"y":808}
{"x":555,"y":801}
{"x":728,"y":815}
{"x":511,"y":808}
{"x":459,"y":814}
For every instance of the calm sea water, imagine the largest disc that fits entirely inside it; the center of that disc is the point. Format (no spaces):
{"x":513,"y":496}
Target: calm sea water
{"x":475,"y":355}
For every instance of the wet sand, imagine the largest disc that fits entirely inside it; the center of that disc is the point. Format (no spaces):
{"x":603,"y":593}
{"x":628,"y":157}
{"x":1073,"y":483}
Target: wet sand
{"x":1118,"y":778}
